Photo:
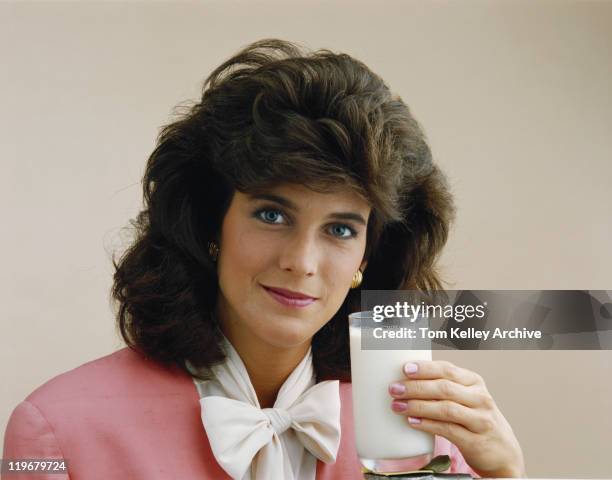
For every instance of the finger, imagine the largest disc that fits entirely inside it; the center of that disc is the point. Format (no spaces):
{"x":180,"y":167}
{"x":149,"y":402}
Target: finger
{"x":445,"y":411}
{"x":440,"y":389}
{"x":455,"y":433}
{"x":433,"y":369}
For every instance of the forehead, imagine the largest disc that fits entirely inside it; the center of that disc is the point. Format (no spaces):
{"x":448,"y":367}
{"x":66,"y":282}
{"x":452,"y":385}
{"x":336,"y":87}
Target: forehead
{"x":303,"y":197}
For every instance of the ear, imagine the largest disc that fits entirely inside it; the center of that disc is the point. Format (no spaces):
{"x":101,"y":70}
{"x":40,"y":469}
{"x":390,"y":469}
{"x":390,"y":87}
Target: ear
{"x":363,"y":265}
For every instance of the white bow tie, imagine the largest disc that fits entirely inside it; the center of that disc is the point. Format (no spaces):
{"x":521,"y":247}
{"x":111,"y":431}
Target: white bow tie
{"x":274,"y":442}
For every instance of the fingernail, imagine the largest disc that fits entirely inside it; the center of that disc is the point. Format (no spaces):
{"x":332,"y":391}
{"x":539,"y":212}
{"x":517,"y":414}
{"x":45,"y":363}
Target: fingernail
{"x":410,"y":368}
{"x":414,"y":420}
{"x":398,"y":406}
{"x":397,"y":389}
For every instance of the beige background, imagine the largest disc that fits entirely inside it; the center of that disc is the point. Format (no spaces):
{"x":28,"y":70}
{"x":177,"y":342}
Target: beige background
{"x":514,"y":96}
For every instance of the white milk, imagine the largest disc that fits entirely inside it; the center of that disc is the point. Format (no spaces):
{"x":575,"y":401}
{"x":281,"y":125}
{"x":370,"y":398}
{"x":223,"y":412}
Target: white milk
{"x":381,"y":433}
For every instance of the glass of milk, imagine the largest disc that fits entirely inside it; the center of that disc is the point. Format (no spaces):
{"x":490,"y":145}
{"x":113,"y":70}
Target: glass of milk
{"x":385,"y":442}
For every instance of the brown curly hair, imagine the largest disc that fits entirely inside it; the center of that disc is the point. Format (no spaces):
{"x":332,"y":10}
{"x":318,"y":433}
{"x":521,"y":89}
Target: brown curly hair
{"x":275,"y":113}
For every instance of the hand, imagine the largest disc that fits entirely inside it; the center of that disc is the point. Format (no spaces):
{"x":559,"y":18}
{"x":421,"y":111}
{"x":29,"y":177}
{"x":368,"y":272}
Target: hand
{"x":443,"y":399}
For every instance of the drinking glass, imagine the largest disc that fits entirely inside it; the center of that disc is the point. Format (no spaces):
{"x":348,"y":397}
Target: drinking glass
{"x":385,"y":442}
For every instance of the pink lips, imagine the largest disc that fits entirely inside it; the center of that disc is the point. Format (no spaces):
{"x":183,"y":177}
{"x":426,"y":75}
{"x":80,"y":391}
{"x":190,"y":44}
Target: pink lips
{"x":295,"y":300}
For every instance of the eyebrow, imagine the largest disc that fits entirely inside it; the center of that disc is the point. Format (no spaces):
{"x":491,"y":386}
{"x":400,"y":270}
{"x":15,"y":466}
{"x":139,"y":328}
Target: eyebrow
{"x":292,"y":206}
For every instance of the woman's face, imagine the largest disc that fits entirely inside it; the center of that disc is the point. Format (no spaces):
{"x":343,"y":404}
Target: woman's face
{"x":294,"y":239}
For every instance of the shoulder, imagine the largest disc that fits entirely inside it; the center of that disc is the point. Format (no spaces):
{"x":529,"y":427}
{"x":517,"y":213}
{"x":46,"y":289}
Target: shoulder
{"x":112,"y":415}
{"x":119,"y":394}
{"x":118,"y":385}
{"x":122,"y":371}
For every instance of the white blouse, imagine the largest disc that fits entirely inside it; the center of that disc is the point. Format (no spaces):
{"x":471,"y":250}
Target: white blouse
{"x":282,"y":442}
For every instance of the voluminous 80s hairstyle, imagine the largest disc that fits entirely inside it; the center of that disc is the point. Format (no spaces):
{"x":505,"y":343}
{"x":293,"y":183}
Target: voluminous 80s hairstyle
{"x":274,"y":113}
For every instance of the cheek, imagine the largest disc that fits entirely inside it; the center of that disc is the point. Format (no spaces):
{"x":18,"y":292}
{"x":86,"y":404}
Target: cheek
{"x":339,"y":273}
{"x":244,"y":258}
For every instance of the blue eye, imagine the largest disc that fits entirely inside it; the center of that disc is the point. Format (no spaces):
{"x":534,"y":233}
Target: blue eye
{"x":274,"y":216}
{"x":344,"y":228}
{"x":269,"y":215}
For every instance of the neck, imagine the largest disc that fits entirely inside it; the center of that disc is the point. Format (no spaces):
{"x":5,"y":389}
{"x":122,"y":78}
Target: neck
{"x":268,"y":366}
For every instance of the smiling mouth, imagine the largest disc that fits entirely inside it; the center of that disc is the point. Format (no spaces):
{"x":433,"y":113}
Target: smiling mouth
{"x":289,"y":293}
{"x":283,"y":299}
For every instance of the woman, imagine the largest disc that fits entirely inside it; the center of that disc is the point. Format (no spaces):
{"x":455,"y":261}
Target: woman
{"x":296,"y":180}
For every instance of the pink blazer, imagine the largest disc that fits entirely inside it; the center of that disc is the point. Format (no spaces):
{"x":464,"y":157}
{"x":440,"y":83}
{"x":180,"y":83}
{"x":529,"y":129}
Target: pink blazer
{"x":126,"y":416}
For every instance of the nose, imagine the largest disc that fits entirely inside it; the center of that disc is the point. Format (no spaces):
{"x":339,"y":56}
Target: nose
{"x":300,"y":255}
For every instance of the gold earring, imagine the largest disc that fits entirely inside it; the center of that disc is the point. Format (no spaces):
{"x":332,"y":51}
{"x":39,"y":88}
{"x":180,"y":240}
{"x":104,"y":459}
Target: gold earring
{"x":213,"y":251}
{"x":357,"y":278}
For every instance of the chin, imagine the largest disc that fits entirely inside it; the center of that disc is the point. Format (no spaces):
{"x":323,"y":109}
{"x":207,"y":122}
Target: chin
{"x":287,"y":335}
